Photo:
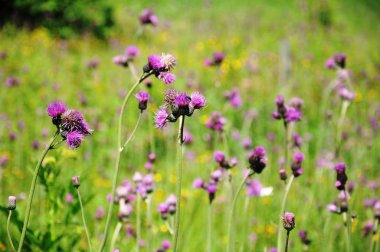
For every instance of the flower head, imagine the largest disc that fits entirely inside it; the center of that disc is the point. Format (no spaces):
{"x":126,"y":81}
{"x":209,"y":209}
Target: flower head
{"x":132,"y":51}
{"x":73,"y":120}
{"x":121,"y":60}
{"x":233,"y":97}
{"x":288,"y":221}
{"x":74,"y":139}
{"x":161,"y":118}
{"x":198,"y":101}
{"x":11,"y":203}
{"x":147,"y":17}
{"x":341,"y":177}
{"x":56,"y":109}
{"x":258,"y":159}
{"x":142,"y":98}
{"x":216,"y":122}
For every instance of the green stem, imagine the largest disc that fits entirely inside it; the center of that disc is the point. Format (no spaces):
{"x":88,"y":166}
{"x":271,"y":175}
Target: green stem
{"x":374,"y":231}
{"x":378,"y":240}
{"x":115,"y":235}
{"x":84,"y":220}
{"x":149,"y":221}
{"x":283,"y":204}
{"x":340,"y":127}
{"x":246,"y":206}
{"x":133,"y":132}
{"x":116,"y":168}
{"x":9,"y":233}
{"x":209,"y":233}
{"x":32,"y":189}
{"x":232,"y":209}
{"x":138,"y":223}
{"x":287,"y":241}
{"x":347,"y":221}
{"x":180,"y":151}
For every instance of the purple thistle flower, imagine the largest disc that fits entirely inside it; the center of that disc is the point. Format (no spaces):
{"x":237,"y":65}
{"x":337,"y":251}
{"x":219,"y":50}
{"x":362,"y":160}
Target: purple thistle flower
{"x":297,"y":140}
{"x":198,"y":101}
{"x":161,"y":118}
{"x":121,"y":60}
{"x":74,"y":139}
{"x":303,"y":235}
{"x":155,"y":63}
{"x":187,"y":137}
{"x":234,"y":97}
{"x":69,"y":198}
{"x":56,"y":109}
{"x":216,"y":122}
{"x":166,"y":244}
{"x":211,"y":189}
{"x":288,"y":221}
{"x":198,"y":183}
{"x":167,"y":78}
{"x":330,"y":63}
{"x":293,"y":115}
{"x":367,"y":228}
{"x":73,"y":120}
{"x":254,"y":188}
{"x":163,"y":209}
{"x":340,"y":59}
{"x":168,"y":61}
{"x":296,"y":103}
{"x":147,"y":17}
{"x":170,"y":96}
{"x":216,"y":175}
{"x":246,"y":143}
{"x":218,"y":58}
{"x":341,"y":177}
{"x":258,"y":160}
{"x":125,"y":210}
{"x":12,"y":82}
{"x":219,"y":156}
{"x":99,"y":213}
{"x":132,"y":51}
{"x":376,"y":210}
{"x":298,"y":158}
{"x":346,"y":94}
{"x":142,"y":98}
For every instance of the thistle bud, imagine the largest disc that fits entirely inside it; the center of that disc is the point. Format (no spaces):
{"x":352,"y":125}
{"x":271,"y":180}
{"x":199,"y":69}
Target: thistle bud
{"x":11,"y":203}
{"x":288,"y":220}
{"x":76,"y":182}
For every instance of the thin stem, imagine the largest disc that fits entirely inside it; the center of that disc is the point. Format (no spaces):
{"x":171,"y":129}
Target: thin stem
{"x":246,"y":205}
{"x":138,"y":223}
{"x":231,"y":215}
{"x":84,"y":220}
{"x":209,"y":233}
{"x":180,"y":151}
{"x":286,"y":144}
{"x":287,"y":241}
{"x":347,"y":228}
{"x":133,"y":132}
{"x":32,"y":189}
{"x":283,"y":204}
{"x":149,"y":221}
{"x":119,"y":150}
{"x":9,"y":233}
{"x":378,"y":241}
{"x":340,"y":127}
{"x":115,"y":235}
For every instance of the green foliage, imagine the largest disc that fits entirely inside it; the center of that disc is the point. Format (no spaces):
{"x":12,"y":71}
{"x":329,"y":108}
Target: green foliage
{"x":64,"y":18}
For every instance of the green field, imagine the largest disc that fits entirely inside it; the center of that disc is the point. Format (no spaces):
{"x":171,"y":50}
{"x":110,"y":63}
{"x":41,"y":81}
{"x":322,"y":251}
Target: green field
{"x":271,"y":48}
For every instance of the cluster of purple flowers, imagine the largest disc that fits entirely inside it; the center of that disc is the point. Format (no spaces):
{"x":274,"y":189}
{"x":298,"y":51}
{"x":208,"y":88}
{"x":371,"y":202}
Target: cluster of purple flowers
{"x":257,"y":159}
{"x":144,"y":184}
{"x":148,"y":17}
{"x":165,"y":245}
{"x":160,"y":66}
{"x":168,"y":207}
{"x":216,"y":60}
{"x":143,"y":98}
{"x":338,"y":60}
{"x":212,"y":186}
{"x":345,"y":94}
{"x":128,"y":56}
{"x":233,"y":97}
{"x":70,"y":123}
{"x":12,"y":82}
{"x":221,"y":159}
{"x":292,"y":113}
{"x":179,"y":104}
{"x":216,"y":122}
